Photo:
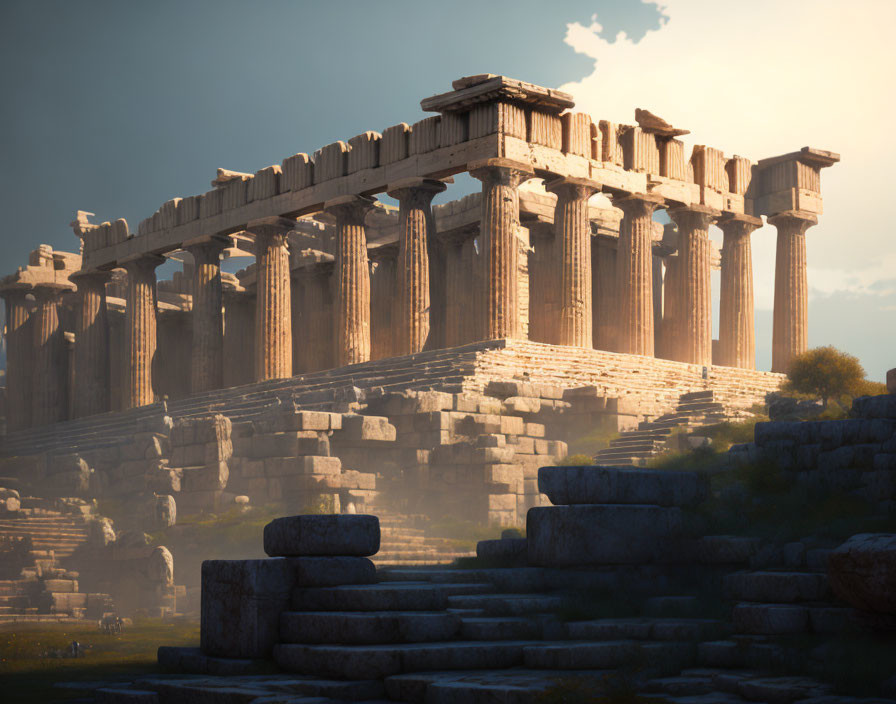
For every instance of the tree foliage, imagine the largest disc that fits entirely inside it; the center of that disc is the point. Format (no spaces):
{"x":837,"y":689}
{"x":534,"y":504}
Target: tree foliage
{"x":827,"y":373}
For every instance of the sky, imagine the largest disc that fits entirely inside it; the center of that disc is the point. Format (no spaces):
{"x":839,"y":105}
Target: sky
{"x":115,"y":107}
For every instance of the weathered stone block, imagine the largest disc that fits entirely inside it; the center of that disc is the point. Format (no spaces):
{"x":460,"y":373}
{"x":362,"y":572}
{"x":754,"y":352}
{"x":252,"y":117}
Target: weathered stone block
{"x":561,"y":536}
{"x":863,"y":572}
{"x":333,"y":571}
{"x":610,"y":485}
{"x":330,"y":535}
{"x":368,"y":428}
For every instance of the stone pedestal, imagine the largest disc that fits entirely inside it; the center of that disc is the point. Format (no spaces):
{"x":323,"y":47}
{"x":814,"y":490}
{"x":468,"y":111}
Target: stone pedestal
{"x":352,"y":284}
{"x":692,"y":333}
{"x":634,"y":274}
{"x":19,"y":358}
{"x":273,"y":319}
{"x":91,"y":354}
{"x":498,"y":249}
{"x":572,"y":247}
{"x":790,"y":334}
{"x":737,"y":332}
{"x":140,"y":331}
{"x":414,"y":299}
{"x":48,"y":380}
{"x":207,"y":360}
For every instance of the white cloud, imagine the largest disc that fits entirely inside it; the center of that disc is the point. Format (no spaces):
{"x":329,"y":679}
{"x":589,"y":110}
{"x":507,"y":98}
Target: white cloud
{"x":767,"y":77}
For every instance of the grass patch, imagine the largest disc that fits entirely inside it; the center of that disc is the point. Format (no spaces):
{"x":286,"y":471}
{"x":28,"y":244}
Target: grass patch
{"x":591,"y":442}
{"x":578,"y":460}
{"x":463,"y":534}
{"x":29,"y":672}
{"x":726,"y":434}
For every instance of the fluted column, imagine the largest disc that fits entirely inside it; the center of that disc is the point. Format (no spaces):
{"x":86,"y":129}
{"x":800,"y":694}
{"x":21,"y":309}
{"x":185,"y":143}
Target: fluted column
{"x":273,"y":312}
{"x":413,"y":276}
{"x":634,"y":274}
{"x":383,"y":285}
{"x":48,"y":374}
{"x":19,"y":357}
{"x":544,"y":306}
{"x":737,"y":330}
{"x":671,"y":323}
{"x":499,"y":251}
{"x":91,"y":354}
{"x":572,"y":260}
{"x":352,"y":289}
{"x":456,"y":283}
{"x":317,"y":301}
{"x":140,"y":330}
{"x":790,"y":335}
{"x":605,"y":292}
{"x":693,"y":329}
{"x":207,"y":357}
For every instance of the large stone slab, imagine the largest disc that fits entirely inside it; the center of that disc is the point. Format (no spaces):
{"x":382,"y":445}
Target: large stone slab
{"x":613,"y":485}
{"x":602,"y":534}
{"x":863,"y":572}
{"x":333,"y":571}
{"x":331,"y":535}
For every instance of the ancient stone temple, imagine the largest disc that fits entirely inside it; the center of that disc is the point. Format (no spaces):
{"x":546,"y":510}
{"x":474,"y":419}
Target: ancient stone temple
{"x":515,"y":308}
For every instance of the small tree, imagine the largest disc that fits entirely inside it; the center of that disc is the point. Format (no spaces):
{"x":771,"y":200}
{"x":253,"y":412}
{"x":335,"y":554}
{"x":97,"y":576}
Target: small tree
{"x":825,"y":372}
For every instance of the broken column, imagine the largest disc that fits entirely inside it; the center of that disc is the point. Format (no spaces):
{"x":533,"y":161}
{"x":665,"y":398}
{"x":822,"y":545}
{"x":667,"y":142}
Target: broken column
{"x":91,"y":354}
{"x":790,"y":334}
{"x":19,"y":341}
{"x":49,"y":400}
{"x":273,"y":322}
{"x":693,"y":328}
{"x":737,"y":334}
{"x":207,"y":360}
{"x":634,"y":274}
{"x":415,"y":244}
{"x":572,"y":247}
{"x":498,"y":249}
{"x":352,"y":285}
{"x":140,"y":330}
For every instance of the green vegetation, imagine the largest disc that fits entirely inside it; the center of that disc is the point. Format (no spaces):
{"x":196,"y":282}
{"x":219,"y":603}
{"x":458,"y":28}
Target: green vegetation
{"x":829,"y":374}
{"x":463,"y":534}
{"x":29,"y":670}
{"x":576,"y":461}
{"x":597,"y":439}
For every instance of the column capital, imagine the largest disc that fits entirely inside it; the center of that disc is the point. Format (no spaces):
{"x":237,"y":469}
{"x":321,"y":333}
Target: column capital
{"x":505,"y":172}
{"x":270,"y":226}
{"x":697,"y":216}
{"x":213,"y":244}
{"x":572,"y":188}
{"x":639,"y":204}
{"x":48,"y":291}
{"x":90,"y":276}
{"x":738,"y":224}
{"x":143,"y":262}
{"x":419,"y":190}
{"x":798,"y":220}
{"x":350,"y":210}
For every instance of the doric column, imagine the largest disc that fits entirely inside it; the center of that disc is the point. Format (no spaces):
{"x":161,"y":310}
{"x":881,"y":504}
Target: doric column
{"x":737,"y":331}
{"x":790,"y":335}
{"x":207,"y":358}
{"x":239,"y":337}
{"x":48,"y":374}
{"x":19,"y":358}
{"x":498,"y":247}
{"x":415,"y":245}
{"x":692,"y":334}
{"x":140,"y":330}
{"x":317,"y":301}
{"x":572,"y":259}
{"x":544,"y":287}
{"x":352,"y":289}
{"x":671,"y":322}
{"x":383,"y":284}
{"x":606,"y":293}
{"x":456,"y":288}
{"x":273,"y":318}
{"x":634,"y":274}
{"x":91,"y":354}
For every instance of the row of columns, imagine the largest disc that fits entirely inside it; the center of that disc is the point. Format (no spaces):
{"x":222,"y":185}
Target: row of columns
{"x":561,"y":283}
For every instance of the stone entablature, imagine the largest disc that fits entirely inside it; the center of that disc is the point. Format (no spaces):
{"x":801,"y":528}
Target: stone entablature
{"x":530,"y":271}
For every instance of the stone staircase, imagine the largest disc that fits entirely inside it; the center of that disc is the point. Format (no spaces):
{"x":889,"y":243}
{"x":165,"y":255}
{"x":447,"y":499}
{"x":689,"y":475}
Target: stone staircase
{"x":403,"y":544}
{"x":657,"y":383}
{"x":695,"y":410}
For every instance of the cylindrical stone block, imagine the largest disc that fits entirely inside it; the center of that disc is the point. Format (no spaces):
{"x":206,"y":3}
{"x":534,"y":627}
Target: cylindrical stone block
{"x":499,"y":251}
{"x":737,"y":332}
{"x":91,"y":354}
{"x":352,"y":289}
{"x":572,"y":248}
{"x":693,"y":331}
{"x":273,"y":321}
{"x":48,"y":376}
{"x":207,"y":358}
{"x":140,"y":331}
{"x":19,"y":358}
{"x":790,"y":334}
{"x":634,"y":275}
{"x":414,"y":300}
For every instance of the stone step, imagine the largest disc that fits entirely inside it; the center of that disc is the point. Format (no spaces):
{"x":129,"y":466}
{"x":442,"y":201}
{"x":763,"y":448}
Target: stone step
{"x":657,"y":629}
{"x":777,"y":587}
{"x":507,"y":604}
{"x":499,"y":628}
{"x":367,"y":628}
{"x":390,"y":596}
{"x":664,"y":658}
{"x":364,"y":662}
